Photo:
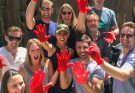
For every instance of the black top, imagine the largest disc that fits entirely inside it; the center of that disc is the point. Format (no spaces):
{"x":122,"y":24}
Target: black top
{"x":56,"y":88}
{"x":50,"y":30}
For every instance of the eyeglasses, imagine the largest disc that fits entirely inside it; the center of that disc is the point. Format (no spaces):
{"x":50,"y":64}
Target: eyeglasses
{"x":11,"y":38}
{"x":45,"y":9}
{"x":64,"y":13}
{"x":128,"y":36}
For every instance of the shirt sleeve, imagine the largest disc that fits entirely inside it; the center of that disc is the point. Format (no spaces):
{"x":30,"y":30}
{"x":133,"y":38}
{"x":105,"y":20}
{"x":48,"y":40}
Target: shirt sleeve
{"x":113,"y":18}
{"x":131,"y":59}
{"x":99,"y":73}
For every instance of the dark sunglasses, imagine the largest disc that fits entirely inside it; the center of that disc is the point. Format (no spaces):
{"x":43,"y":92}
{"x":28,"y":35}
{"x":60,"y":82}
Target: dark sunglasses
{"x":64,"y":13}
{"x":11,"y":38}
{"x":45,"y":9}
{"x":128,"y":36}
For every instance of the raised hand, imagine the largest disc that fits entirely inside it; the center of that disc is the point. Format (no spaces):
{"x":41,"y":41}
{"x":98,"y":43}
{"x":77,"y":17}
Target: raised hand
{"x":36,"y":84}
{"x":110,"y":37}
{"x":1,"y":64}
{"x":94,"y":53}
{"x":82,"y":6}
{"x":63,"y":59}
{"x":80,"y":73}
{"x":41,"y":32}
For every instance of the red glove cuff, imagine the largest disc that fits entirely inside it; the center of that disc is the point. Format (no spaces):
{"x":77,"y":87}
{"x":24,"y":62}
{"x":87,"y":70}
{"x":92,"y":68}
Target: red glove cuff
{"x":35,"y":1}
{"x":100,"y":62}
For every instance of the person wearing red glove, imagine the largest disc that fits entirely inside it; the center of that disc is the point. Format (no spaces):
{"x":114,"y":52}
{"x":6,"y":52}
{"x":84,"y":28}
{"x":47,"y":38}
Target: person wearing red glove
{"x":123,"y":73}
{"x":91,"y":23}
{"x":46,"y":10}
{"x":86,"y":74}
{"x":80,"y":73}
{"x":41,"y":33}
{"x":36,"y":83}
{"x":35,"y":60}
{"x":107,"y":20}
{"x":110,"y":37}
{"x":63,"y":59}
{"x":66,"y":15}
{"x":62,"y":34}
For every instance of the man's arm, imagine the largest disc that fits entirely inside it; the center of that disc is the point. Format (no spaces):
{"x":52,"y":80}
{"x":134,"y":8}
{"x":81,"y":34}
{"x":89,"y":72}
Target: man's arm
{"x":123,"y":73}
{"x":30,"y":22}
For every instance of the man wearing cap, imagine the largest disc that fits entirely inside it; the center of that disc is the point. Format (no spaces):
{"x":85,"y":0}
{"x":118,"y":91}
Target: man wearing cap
{"x":62,"y":34}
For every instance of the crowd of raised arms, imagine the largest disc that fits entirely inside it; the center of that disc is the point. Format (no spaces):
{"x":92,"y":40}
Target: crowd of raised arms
{"x":73,"y":55}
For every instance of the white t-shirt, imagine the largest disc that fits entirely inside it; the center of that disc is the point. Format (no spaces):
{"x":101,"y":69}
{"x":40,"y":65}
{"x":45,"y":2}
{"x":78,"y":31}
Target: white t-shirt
{"x":9,"y":60}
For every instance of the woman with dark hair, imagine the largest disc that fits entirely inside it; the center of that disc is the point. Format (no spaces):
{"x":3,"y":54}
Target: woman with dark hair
{"x":12,"y":82}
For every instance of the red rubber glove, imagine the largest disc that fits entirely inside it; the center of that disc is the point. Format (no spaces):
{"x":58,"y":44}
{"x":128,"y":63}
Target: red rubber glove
{"x":35,"y":1}
{"x":36,"y":84}
{"x":41,"y":33}
{"x":1,"y":64}
{"x":82,"y":6}
{"x":110,"y":37}
{"x":80,"y":73}
{"x":63,"y":59}
{"x":94,"y":53}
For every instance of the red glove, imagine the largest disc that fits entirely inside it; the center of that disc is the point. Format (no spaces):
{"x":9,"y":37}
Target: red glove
{"x":80,"y":73}
{"x":82,"y":5}
{"x":1,"y":60}
{"x":36,"y":84}
{"x":63,"y":59}
{"x":110,"y":36}
{"x":94,"y":53}
{"x":41,"y":33}
{"x":35,"y":1}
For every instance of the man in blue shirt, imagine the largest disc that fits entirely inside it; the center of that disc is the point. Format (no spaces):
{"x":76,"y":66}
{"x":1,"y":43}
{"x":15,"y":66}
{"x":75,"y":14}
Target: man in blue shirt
{"x":124,"y":72}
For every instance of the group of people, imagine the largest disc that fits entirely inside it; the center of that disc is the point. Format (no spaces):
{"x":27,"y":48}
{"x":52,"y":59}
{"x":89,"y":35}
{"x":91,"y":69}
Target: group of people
{"x":70,"y":56}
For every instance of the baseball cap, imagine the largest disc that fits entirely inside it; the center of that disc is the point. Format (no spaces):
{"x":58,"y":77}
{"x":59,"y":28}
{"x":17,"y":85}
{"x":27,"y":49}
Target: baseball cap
{"x":62,"y":27}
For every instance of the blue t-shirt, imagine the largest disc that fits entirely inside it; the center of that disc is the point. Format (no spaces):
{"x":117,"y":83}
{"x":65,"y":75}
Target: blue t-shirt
{"x":127,"y":86}
{"x":95,"y":71}
{"x":107,"y":19}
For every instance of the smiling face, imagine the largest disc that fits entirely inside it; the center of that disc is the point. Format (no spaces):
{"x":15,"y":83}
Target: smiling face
{"x":81,"y":46}
{"x":46,"y":10}
{"x":92,"y":22}
{"x":62,"y":37}
{"x":66,"y":15}
{"x":13,"y":39}
{"x":127,"y":37}
{"x":16,"y":84}
{"x":35,"y":53}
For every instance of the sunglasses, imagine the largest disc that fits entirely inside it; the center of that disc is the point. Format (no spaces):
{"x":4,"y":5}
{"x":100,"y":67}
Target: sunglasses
{"x":128,"y":36}
{"x":45,"y":9}
{"x":64,"y":13}
{"x":11,"y":38}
